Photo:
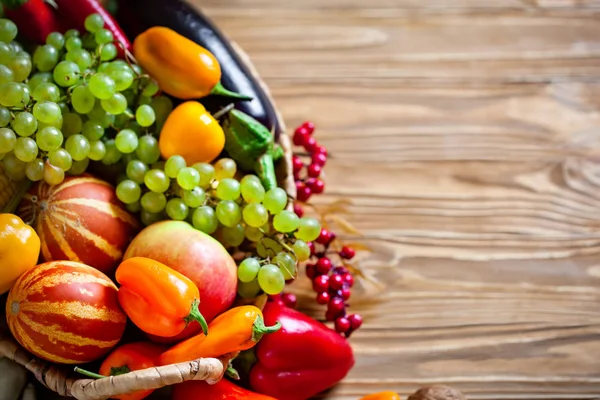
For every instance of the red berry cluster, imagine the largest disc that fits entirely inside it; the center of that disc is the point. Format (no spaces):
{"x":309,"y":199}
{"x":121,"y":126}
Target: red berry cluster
{"x":331,"y":282}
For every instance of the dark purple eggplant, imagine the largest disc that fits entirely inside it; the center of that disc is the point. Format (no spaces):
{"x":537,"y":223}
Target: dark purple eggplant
{"x":191,"y":23}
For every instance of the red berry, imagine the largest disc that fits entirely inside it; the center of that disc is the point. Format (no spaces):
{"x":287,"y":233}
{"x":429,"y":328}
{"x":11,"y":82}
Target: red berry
{"x":348,"y":279}
{"x":336,"y":281}
{"x":323,"y":298}
{"x":319,"y":159}
{"x":314,"y":170}
{"x":311,"y":246}
{"x":321,"y":283}
{"x":342,"y":325}
{"x":311,"y":271}
{"x":289,"y":299}
{"x":336,"y":305}
{"x":347,"y":252}
{"x":324,"y":237}
{"x":355,"y":321}
{"x":331,"y":316}
{"x":298,"y":210}
{"x":323,"y":265}
{"x":297,"y":164}
{"x":309,"y":126}
{"x":310,"y":144}
{"x":301,"y":137}
{"x":303,"y":192}
{"x":345,"y":293}
{"x":316,"y":185}
{"x":321,"y":150}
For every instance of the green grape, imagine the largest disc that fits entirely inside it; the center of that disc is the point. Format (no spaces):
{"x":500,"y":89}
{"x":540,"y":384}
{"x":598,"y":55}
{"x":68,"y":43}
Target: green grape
{"x":207,"y":174}
{"x":52,"y":174}
{"x":100,"y":116}
{"x":151,"y":89}
{"x":176,"y":209}
{"x":308,"y":229}
{"x":253,"y":234}
{"x":88,"y":42}
{"x":66,"y":73}
{"x":158,"y":165}
{"x":119,"y":64}
{"x":252,"y":189}
{"x":108,"y":52}
{"x":21,"y":67}
{"x":149,"y":218}
{"x":157,"y":181}
{"x":14,"y":167}
{"x":204,"y":219}
{"x":102,"y":86}
{"x":92,"y":130}
{"x":228,"y":213}
{"x":126,"y":141}
{"x":82,"y":99}
{"x":123,"y":119}
{"x":136,"y":170}
{"x":128,"y":157}
{"x":228,"y":189}
{"x":248,"y":290}
{"x":79,"y":167}
{"x":112,"y":155}
{"x":46,"y":92}
{"x":117,"y":104}
{"x":4,"y":117}
{"x":173,"y":165}
{"x":6,"y":53}
{"x":153,"y":202}
{"x":81,"y":57}
{"x":286,"y":221}
{"x":8,"y":139}
{"x":26,"y":149}
{"x":128,"y":191}
{"x":188,"y":178}
{"x":16,"y":47}
{"x":137,"y":69}
{"x":248,"y":270}
{"x":72,"y":124}
{"x":122,"y":77}
{"x":144,"y":115}
{"x":61,"y":159}
{"x":271,"y":279}
{"x":6,"y":74}
{"x":35,"y":170}
{"x":103,"y":67}
{"x":147,"y":149}
{"x":275,"y":200}
{"x":255,"y":215}
{"x":287,"y":265}
{"x":134,"y":207}
{"x":301,"y":250}
{"x":24,"y":124}
{"x":225,"y":168}
{"x":56,"y":39}
{"x":8,"y":30}
{"x":49,"y":138}
{"x":11,"y":94}
{"x":73,"y":43}
{"x":64,"y":108}
{"x":39,"y":78}
{"x":194,"y":198}
{"x":162,"y":107}
{"x":233,"y":236}
{"x":71,"y":33}
{"x":46,"y":111}
{"x":78,"y":147}
{"x":103,"y":36}
{"x":45,"y":58}
{"x":97,"y":150}
{"x":93,"y":23}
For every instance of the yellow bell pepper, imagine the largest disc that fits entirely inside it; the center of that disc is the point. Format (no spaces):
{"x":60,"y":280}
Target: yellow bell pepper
{"x":19,"y":249}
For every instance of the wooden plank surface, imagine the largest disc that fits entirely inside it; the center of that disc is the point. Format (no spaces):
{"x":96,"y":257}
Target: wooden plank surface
{"x":466,"y":133}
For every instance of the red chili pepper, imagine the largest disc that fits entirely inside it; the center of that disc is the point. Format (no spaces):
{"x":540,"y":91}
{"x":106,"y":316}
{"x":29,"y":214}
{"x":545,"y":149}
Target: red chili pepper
{"x":76,"y":11}
{"x":34,"y":18}
{"x":223,"y":390}
{"x":300,"y":360}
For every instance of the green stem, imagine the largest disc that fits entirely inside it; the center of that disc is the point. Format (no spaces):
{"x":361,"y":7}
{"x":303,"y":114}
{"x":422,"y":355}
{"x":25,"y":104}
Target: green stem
{"x":223,"y":111}
{"x":221,"y":91}
{"x":265,"y":169}
{"x":277,"y":153}
{"x":88,"y":373}
{"x":232,"y":373}
{"x":259,"y":329}
{"x":195,"y":315}
{"x":124,"y":369}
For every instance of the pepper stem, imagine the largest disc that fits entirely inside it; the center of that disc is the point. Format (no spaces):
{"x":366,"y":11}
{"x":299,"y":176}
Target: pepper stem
{"x":114,"y":371}
{"x":265,"y":169}
{"x":259,"y":329}
{"x":195,"y":315}
{"x":220,"y":90}
{"x":88,"y":373}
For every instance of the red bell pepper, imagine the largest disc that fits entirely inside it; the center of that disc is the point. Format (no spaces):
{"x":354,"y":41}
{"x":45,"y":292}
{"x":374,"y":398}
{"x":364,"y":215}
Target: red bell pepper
{"x":302,"y":359}
{"x":34,"y":18}
{"x":223,"y":390}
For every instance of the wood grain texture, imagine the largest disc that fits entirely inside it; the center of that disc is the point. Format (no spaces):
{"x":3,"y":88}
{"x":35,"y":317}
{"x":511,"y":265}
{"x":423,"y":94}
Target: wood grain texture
{"x":466,"y":133}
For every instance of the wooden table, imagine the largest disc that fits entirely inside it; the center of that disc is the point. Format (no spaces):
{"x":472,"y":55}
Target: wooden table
{"x":466,"y":133}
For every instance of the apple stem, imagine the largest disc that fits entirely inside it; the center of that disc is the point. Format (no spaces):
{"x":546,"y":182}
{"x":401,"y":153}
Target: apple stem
{"x":195,"y":315}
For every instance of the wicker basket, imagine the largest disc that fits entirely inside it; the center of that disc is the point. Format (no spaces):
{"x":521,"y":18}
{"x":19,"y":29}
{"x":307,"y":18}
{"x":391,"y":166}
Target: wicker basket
{"x":61,"y":380}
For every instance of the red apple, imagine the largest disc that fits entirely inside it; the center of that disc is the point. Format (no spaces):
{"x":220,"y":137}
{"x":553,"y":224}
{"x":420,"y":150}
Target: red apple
{"x":196,"y":255}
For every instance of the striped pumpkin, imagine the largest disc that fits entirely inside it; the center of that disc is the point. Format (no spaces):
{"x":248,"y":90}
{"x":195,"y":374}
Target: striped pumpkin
{"x":65,"y":312}
{"x":80,"y":220}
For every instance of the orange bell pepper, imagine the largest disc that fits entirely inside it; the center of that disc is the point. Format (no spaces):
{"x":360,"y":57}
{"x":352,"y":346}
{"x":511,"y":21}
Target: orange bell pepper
{"x":237,"y":329}
{"x":158,"y":299}
{"x":382,"y":396}
{"x":19,"y":249}
{"x":222,"y":390}
{"x":181,"y":67}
